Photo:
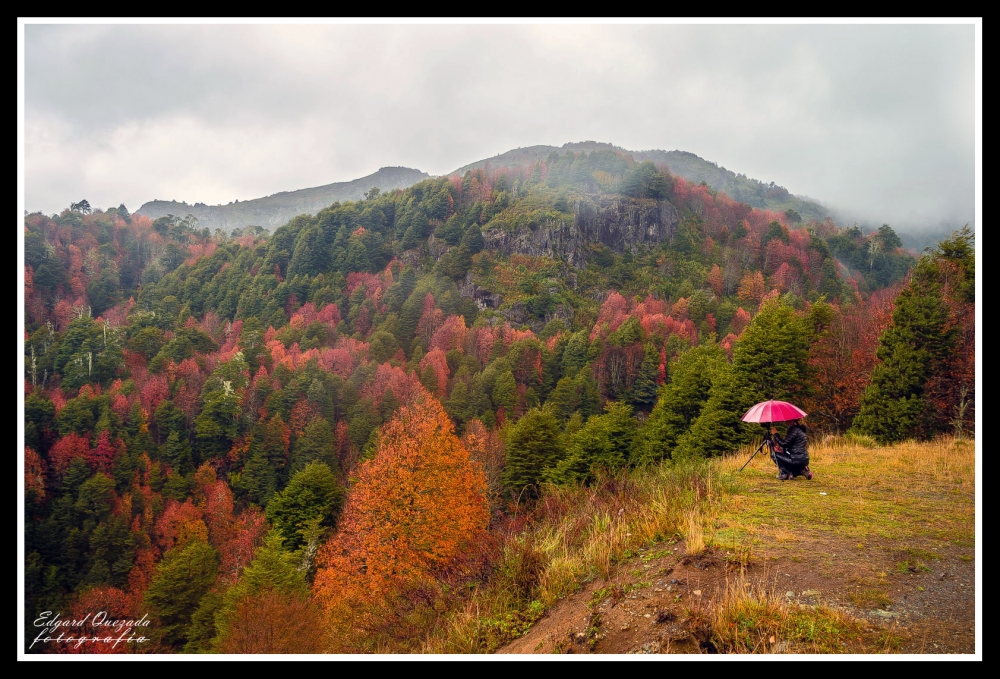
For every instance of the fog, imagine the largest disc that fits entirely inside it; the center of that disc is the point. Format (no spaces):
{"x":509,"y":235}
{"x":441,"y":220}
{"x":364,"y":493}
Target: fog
{"x":874,"y":121}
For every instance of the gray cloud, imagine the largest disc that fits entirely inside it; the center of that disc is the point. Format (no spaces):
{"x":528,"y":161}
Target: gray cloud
{"x":874,"y":120}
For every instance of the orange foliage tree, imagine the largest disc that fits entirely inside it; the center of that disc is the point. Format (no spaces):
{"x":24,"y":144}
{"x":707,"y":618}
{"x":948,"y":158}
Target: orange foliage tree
{"x":415,"y":509}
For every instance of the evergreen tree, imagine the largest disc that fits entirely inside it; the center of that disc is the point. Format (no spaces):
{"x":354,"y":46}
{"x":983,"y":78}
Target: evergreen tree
{"x":893,"y":407}
{"x":589,"y":392}
{"x":642,"y":395}
{"x":769,"y":361}
{"x":680,"y":401}
{"x":564,"y":399}
{"x":718,"y":428}
{"x":605,"y":441}
{"x":312,"y":493}
{"x":575,"y":355}
{"x":258,"y":480}
{"x":317,"y":444}
{"x":473,"y":240}
{"x":182,"y":578}
{"x":177,"y":451}
{"x":533,"y":446}
{"x":505,"y":390}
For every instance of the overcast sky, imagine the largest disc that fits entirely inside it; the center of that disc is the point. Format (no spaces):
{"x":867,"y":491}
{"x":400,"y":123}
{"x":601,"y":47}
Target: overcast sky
{"x":877,"y":121}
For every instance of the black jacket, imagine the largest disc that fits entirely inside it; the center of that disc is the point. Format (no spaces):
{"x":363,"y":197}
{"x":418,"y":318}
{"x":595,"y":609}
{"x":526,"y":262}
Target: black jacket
{"x":794,"y":443}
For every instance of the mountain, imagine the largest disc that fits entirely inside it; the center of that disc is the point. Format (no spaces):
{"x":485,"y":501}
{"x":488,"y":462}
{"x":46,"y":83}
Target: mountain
{"x":688,"y":165}
{"x":275,"y":210}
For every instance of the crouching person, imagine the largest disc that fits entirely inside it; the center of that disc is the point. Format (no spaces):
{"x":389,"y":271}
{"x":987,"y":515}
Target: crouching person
{"x":791,"y":454}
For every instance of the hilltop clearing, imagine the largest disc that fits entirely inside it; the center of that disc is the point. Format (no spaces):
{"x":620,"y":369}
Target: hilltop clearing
{"x":875,"y":554}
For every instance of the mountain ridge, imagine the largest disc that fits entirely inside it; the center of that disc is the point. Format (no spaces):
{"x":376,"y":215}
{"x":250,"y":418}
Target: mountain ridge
{"x":277,"y":209}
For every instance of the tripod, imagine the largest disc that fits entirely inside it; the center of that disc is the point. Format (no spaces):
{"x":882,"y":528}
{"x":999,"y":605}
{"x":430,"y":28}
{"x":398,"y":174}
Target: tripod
{"x":767,"y":441}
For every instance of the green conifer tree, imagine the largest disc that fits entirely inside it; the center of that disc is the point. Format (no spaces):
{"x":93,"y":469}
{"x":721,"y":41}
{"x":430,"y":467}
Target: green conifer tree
{"x":313,"y":492}
{"x":680,"y":401}
{"x":605,"y":441}
{"x":533,"y":446}
{"x":893,"y":407}
{"x":769,"y":361}
{"x":505,"y":390}
{"x":181,"y":580}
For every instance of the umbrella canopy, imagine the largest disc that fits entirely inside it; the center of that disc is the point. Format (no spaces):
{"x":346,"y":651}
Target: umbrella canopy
{"x":774,"y":411}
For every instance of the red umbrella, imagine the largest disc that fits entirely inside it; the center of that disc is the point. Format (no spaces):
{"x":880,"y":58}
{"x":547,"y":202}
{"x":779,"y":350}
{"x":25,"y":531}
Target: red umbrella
{"x":774,"y":411}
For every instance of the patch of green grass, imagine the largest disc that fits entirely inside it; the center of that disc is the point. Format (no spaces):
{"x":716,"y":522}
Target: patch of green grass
{"x":496,"y":631}
{"x":869,"y":597}
{"x":657,"y":554}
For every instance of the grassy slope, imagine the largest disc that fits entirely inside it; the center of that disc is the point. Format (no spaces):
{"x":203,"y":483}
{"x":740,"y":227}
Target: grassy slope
{"x":706,"y":558}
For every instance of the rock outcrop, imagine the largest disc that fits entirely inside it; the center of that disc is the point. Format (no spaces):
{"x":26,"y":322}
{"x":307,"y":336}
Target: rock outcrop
{"x":618,"y":223}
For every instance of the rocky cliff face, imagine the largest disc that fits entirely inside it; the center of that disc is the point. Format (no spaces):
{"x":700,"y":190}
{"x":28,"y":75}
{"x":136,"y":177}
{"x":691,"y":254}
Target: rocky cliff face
{"x":618,"y":223}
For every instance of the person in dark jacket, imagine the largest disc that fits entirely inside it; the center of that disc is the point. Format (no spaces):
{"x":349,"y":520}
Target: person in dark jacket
{"x":790,"y":453}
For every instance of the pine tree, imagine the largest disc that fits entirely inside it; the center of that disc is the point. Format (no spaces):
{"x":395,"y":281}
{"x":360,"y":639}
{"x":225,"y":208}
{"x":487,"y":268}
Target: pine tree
{"x":313,"y":492}
{"x":182,"y":578}
{"x":533,"y":446}
{"x":505,"y":390}
{"x":177,"y":451}
{"x":642,"y":395}
{"x":680,"y":401}
{"x":718,"y":428}
{"x":893,"y":407}
{"x":473,"y":239}
{"x":268,"y":610}
{"x":317,"y":444}
{"x":605,"y":441}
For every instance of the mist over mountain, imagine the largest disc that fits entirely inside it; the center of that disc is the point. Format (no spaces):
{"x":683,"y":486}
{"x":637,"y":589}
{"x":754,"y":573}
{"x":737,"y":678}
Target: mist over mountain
{"x":275,"y":210}
{"x":688,"y":165}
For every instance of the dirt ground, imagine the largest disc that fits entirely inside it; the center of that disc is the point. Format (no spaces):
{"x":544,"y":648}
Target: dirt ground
{"x":917,"y":585}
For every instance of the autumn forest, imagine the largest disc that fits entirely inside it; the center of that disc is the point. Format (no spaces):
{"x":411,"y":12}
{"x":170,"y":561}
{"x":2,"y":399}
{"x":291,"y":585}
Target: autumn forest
{"x":328,"y":438}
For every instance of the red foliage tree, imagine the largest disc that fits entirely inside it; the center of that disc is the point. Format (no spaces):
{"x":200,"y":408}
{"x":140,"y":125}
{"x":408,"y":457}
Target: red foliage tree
{"x":614,"y":312}
{"x":842,"y":360}
{"x":715,"y":280}
{"x":34,"y":473}
{"x":67,"y":448}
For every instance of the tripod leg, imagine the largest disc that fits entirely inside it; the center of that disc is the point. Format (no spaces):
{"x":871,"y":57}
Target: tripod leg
{"x":761,"y":446}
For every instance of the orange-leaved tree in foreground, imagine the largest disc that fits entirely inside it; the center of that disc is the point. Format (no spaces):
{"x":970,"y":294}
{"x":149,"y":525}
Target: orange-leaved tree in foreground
{"x":414,"y":512}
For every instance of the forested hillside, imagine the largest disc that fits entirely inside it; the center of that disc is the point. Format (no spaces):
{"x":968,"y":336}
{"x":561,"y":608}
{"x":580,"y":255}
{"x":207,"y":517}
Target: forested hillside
{"x":680,"y":163}
{"x":321,"y":437}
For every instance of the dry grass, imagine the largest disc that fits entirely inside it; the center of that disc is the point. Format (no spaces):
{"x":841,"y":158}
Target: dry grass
{"x":580,"y":534}
{"x":751,"y":617}
{"x":910,"y":490}
{"x":695,"y":536}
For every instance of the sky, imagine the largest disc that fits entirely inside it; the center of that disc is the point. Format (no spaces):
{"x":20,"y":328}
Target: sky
{"x":875,"y":121}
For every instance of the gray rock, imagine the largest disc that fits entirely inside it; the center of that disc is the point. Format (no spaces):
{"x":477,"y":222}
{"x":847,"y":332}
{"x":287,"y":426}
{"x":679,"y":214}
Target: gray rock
{"x":884,"y":614}
{"x":616,"y":222}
